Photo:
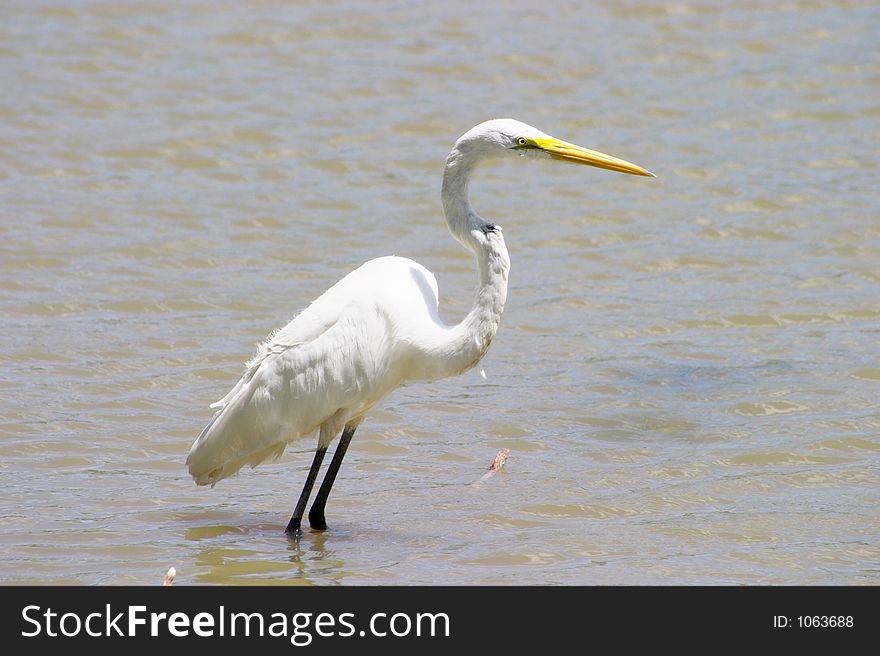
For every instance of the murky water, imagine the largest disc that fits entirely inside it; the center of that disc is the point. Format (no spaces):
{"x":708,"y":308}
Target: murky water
{"x":687,"y":374}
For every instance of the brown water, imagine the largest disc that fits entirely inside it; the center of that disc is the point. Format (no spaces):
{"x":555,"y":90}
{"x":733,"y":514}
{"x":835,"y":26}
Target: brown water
{"x":687,"y":374}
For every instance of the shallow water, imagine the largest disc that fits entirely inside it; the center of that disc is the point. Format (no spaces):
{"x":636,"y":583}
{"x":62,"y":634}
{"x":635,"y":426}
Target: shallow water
{"x":687,"y":374}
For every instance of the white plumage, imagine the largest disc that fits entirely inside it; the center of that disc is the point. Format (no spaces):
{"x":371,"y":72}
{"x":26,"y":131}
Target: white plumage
{"x":373,"y":330}
{"x":343,"y":354}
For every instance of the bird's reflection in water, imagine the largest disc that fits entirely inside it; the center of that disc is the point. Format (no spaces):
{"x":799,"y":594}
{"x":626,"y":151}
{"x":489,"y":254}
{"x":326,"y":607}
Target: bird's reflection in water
{"x":265,"y":556}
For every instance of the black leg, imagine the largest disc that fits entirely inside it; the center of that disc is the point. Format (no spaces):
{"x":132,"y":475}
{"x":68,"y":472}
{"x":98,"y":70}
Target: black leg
{"x":316,"y":514}
{"x":293,"y":527}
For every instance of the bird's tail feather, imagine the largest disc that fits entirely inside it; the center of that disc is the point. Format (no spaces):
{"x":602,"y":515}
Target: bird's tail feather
{"x":223,"y":446}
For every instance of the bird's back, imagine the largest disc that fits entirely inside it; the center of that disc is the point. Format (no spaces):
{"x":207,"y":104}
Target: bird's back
{"x":335,"y":360}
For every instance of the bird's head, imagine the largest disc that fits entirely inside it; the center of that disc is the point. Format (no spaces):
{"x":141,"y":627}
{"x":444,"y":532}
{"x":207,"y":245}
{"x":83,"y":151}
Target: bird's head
{"x":502,"y":136}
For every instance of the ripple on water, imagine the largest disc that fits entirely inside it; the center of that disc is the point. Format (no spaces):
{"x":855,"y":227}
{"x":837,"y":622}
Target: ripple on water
{"x":869,"y":373}
{"x":768,"y":408}
{"x":573,"y":511}
{"x":783,"y":458}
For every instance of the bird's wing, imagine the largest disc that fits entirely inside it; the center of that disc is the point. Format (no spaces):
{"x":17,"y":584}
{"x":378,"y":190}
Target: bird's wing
{"x":305,"y":328}
{"x":335,"y":360}
{"x":287,"y":392}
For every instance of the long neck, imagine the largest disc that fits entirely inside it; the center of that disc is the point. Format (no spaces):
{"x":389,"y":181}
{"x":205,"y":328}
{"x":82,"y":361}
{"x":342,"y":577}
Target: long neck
{"x":466,"y":343}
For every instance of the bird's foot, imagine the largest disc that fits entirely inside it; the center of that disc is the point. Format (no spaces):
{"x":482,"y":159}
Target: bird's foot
{"x":293,"y":530}
{"x":317,"y":522}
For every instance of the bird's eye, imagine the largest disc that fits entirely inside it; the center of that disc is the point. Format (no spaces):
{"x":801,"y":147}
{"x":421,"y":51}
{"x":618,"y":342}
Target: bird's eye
{"x":522,"y":141}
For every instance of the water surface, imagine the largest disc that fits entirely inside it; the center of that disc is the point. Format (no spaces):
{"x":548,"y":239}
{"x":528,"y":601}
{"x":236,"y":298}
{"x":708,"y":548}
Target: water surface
{"x":687,"y":374}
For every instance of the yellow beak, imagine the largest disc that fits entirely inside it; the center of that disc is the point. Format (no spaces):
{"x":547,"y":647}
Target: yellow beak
{"x":571,"y":153}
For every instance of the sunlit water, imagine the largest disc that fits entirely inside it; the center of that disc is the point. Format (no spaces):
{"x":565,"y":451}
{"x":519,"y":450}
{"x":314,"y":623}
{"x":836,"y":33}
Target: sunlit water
{"x":687,"y":374}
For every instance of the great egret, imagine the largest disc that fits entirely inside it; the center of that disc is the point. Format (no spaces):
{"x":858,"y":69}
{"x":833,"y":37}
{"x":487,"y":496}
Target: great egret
{"x":373,"y":330}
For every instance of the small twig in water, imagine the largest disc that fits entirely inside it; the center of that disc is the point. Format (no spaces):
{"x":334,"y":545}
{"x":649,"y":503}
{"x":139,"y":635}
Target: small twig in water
{"x":496,"y":465}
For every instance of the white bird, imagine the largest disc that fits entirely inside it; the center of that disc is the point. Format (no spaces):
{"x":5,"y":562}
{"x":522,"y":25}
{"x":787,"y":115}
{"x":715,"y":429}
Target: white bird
{"x":373,"y":330}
